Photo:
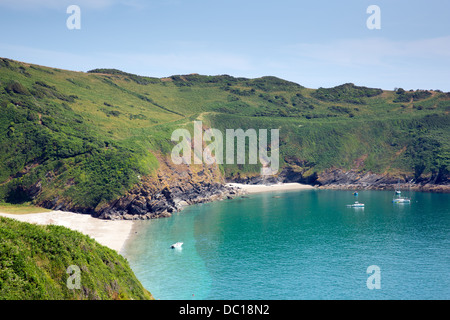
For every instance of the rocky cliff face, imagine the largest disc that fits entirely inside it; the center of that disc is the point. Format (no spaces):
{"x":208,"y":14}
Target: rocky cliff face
{"x":295,"y":171}
{"x":340,"y":179}
{"x":172,"y":188}
{"x":355,"y":179}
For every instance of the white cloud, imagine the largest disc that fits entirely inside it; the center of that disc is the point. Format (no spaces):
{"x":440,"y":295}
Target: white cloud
{"x":61,"y":4}
{"x":372,"y":51}
{"x":375,"y":62}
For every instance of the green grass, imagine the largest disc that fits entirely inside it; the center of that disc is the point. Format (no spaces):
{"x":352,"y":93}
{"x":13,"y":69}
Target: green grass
{"x":34,"y":261}
{"x":24,"y":208}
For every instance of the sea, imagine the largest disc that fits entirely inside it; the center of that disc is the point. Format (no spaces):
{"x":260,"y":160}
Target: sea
{"x":297,"y":245}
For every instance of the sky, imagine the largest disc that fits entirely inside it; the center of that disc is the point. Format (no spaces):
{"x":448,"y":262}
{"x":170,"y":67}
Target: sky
{"x":313,"y":43}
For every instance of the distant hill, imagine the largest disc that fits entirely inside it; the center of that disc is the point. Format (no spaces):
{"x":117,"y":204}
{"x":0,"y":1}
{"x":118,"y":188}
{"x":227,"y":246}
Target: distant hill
{"x":100,"y":140}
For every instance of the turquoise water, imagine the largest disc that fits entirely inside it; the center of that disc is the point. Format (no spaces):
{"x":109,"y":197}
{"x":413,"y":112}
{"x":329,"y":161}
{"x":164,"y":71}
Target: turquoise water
{"x":298,"y":245}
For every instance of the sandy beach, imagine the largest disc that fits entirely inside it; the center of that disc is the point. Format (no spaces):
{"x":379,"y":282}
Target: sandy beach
{"x":112,"y":234}
{"x":257,"y":188}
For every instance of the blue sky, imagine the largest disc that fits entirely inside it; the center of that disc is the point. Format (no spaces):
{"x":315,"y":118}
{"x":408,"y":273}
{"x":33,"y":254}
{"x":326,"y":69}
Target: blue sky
{"x":314,"y":43}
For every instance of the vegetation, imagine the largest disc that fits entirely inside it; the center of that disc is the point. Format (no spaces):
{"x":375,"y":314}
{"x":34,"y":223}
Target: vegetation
{"x":34,"y":261}
{"x":404,"y":96}
{"x":23,"y":208}
{"x":346,"y":93}
{"x":84,"y":139}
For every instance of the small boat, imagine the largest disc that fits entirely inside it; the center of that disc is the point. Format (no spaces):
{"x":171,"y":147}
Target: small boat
{"x":401,"y":200}
{"x":356,"y":205}
{"x":398,"y":198}
{"x":176,"y":245}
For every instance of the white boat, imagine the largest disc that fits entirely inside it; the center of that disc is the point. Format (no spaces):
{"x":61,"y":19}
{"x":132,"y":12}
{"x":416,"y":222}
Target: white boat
{"x":176,"y":245}
{"x":398,"y":198}
{"x":397,"y":188}
{"x":356,"y":205}
{"x":401,"y":200}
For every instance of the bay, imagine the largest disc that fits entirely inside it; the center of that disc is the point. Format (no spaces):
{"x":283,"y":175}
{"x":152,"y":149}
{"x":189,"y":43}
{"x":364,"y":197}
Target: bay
{"x":298,"y":245}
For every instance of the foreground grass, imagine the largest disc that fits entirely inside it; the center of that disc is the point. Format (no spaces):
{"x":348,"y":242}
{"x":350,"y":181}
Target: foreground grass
{"x":34,"y":260}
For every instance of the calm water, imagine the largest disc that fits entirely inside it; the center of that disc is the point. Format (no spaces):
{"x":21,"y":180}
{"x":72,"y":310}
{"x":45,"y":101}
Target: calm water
{"x":298,"y":245}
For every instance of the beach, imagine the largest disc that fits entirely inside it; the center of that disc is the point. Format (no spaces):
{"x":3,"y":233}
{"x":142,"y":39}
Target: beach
{"x":112,"y":234}
{"x":257,"y":188}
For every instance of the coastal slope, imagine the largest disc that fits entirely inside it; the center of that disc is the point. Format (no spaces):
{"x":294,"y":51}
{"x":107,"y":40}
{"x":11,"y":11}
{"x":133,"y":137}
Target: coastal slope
{"x":99,"y":142}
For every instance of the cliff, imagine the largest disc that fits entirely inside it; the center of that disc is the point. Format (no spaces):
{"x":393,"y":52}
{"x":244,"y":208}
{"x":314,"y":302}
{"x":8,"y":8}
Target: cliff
{"x":172,"y":188}
{"x":357,"y":180}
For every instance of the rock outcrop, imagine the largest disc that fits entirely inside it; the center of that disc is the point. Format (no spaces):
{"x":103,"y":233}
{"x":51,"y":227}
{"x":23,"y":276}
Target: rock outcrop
{"x":355,"y":179}
{"x":172,"y":188}
{"x":347,"y":180}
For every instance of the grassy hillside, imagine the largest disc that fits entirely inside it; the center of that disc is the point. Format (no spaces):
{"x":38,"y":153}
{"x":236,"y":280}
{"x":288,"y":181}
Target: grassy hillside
{"x":34,"y":261}
{"x":87,"y":138}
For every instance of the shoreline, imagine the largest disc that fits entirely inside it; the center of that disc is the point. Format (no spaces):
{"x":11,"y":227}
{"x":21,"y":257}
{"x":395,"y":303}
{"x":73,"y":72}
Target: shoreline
{"x":390,"y":187}
{"x":115,"y":234}
{"x":112,"y":234}
{"x":258,"y":188}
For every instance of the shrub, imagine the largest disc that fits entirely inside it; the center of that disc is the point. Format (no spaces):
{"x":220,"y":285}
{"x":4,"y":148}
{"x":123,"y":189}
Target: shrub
{"x":346,"y":93}
{"x":16,"y":87}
